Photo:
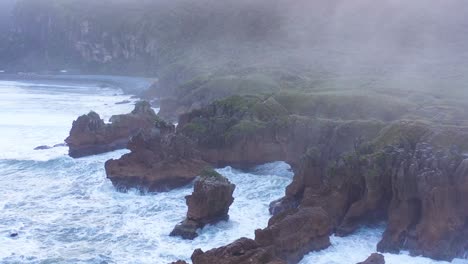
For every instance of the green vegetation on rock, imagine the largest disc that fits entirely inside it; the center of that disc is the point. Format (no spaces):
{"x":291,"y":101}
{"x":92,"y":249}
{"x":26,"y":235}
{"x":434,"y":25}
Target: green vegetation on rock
{"x":210,"y":173}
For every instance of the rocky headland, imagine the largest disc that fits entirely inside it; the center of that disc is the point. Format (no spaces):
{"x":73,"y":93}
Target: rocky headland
{"x":90,"y":135}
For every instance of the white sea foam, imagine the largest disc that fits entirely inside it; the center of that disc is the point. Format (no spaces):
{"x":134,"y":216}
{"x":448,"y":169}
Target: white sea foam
{"x":32,"y":116}
{"x":360,"y":245}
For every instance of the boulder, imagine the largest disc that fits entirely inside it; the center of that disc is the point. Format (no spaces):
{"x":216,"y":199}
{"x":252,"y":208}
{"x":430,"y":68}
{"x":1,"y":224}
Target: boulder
{"x":43,"y":147}
{"x":89,"y":134}
{"x":208,"y":204}
{"x":375,"y":258}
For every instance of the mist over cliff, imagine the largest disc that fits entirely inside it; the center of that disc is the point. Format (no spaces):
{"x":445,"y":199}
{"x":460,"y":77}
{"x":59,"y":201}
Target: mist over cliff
{"x":389,"y":43}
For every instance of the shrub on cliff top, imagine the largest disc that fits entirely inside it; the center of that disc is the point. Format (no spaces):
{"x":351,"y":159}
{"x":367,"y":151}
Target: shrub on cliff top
{"x":209,"y":172}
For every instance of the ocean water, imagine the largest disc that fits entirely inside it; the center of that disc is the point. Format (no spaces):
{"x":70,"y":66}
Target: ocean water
{"x":65,"y":210}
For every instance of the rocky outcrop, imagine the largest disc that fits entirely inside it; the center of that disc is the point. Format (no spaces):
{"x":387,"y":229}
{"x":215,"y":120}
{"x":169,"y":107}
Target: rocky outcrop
{"x":208,"y":204}
{"x":89,"y":134}
{"x":286,"y":239}
{"x":416,"y":185}
{"x":374,"y":259}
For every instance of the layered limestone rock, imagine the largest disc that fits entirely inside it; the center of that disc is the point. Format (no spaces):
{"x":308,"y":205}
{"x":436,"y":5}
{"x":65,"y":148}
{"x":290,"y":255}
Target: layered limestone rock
{"x":208,"y":204}
{"x":89,"y":134}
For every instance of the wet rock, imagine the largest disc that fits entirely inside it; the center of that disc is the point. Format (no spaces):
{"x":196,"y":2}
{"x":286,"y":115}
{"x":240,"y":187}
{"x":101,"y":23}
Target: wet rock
{"x":179,"y":262}
{"x":123,"y":102}
{"x":241,"y":251}
{"x":90,"y":135}
{"x":282,"y":205}
{"x":43,"y":147}
{"x":186,"y":229}
{"x":208,"y":204}
{"x":374,"y":259}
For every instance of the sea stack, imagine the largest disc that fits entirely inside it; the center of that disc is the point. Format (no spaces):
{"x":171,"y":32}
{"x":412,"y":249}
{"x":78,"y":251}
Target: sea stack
{"x":209,"y":203}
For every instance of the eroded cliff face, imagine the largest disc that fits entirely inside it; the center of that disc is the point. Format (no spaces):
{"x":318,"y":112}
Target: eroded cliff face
{"x":417,"y":184}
